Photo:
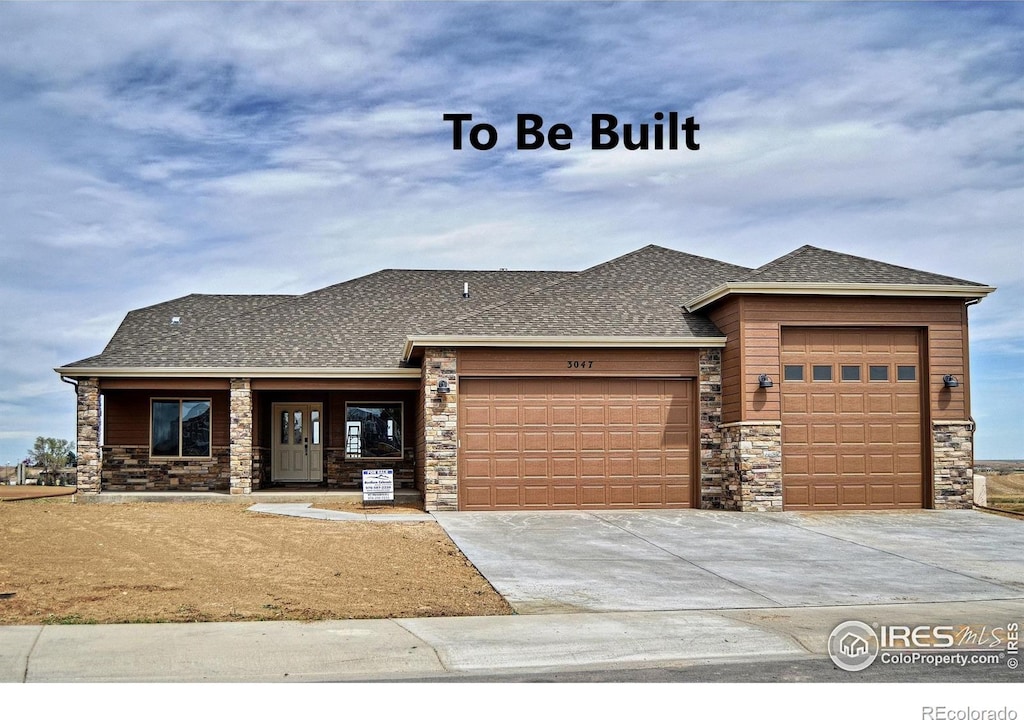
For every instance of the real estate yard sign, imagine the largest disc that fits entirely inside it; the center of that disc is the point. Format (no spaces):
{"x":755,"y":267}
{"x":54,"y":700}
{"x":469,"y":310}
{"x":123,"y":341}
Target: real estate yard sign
{"x":378,"y":486}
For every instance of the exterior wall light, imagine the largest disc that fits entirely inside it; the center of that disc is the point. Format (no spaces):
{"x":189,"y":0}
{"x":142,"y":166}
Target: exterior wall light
{"x":950,"y":381}
{"x":763,"y":381}
{"x":443,"y":388}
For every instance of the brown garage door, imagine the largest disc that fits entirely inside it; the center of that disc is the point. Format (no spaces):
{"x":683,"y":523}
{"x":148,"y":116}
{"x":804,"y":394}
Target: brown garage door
{"x":575,"y":443}
{"x":851,"y":419}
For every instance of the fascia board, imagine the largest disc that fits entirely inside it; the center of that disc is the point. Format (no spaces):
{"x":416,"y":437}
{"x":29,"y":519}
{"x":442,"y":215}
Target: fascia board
{"x":848,"y":289}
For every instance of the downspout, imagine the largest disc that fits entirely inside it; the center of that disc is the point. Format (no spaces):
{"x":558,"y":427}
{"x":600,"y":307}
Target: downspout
{"x":74,"y":384}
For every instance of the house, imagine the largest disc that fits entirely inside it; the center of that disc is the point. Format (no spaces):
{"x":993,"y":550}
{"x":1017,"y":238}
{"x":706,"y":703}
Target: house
{"x":658,"y":379}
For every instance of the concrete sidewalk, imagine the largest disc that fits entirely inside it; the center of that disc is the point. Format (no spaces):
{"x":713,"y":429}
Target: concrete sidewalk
{"x":446,"y":648}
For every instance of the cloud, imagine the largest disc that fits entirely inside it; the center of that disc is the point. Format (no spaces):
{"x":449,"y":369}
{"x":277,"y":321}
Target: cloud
{"x":157,"y":149}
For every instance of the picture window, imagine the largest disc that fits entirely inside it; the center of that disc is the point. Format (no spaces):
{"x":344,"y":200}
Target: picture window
{"x":180,"y":428}
{"x":373,"y":430}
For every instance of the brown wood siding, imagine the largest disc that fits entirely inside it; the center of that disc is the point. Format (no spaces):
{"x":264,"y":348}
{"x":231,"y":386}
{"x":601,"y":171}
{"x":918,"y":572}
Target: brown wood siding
{"x":558,"y":443}
{"x":578,"y":362}
{"x":126,"y":414}
{"x":303,"y":384}
{"x":165,"y":384}
{"x":726,"y":317}
{"x":763,"y":318}
{"x":421,"y":438}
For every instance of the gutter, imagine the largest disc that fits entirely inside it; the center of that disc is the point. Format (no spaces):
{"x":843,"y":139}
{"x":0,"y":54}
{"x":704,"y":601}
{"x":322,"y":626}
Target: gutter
{"x":236,"y":372}
{"x":975,"y":292}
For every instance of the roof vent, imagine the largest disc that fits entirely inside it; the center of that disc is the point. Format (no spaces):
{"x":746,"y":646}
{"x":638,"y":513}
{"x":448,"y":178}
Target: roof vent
{"x":465,"y":290}
{"x":176,"y":320}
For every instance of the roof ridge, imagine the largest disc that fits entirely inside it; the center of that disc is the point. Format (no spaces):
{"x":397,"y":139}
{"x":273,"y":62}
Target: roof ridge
{"x":860,"y":259}
{"x":573,"y":275}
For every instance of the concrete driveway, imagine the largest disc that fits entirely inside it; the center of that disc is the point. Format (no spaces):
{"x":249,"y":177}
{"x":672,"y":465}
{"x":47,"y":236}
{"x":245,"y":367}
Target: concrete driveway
{"x":603,"y":561}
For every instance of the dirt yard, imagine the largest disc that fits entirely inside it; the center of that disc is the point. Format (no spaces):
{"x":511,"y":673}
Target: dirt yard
{"x":64,"y":562}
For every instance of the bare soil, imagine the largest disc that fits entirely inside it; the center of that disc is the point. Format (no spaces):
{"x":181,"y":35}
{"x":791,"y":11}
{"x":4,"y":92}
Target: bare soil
{"x":64,"y":562}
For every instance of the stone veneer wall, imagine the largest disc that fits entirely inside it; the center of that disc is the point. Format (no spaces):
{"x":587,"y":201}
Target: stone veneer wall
{"x":240,"y":432}
{"x":710,"y":394}
{"x":752,"y":466}
{"x":89,"y":466}
{"x":260,"y":467}
{"x":440,"y":418}
{"x":129,"y":467}
{"x":953,"y":464}
{"x":349,"y":473}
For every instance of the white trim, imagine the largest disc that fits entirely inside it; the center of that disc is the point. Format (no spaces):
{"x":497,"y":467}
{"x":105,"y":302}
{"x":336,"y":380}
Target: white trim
{"x":854,"y":289}
{"x":534,"y":341}
{"x":234,"y":372}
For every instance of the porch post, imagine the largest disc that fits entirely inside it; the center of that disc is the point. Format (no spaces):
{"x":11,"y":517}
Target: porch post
{"x":440,"y":414}
{"x":87,"y":449}
{"x":240,"y":431}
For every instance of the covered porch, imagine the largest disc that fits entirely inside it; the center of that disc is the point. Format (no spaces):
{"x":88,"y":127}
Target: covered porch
{"x":237,"y":435}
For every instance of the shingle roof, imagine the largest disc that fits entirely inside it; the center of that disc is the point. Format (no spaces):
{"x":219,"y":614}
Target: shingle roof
{"x":809,"y":264}
{"x":364,"y":322}
{"x":637,"y":295}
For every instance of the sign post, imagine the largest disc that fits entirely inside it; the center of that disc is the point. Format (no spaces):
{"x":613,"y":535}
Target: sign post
{"x":378,"y":486}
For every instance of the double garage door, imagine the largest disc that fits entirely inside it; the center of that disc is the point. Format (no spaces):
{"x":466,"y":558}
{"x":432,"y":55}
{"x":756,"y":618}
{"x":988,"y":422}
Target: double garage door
{"x":535,"y":443}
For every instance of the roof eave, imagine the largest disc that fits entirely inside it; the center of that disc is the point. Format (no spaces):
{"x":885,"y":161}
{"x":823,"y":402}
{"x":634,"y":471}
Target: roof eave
{"x":533,"y":341}
{"x":228,"y":372}
{"x":975,"y":292}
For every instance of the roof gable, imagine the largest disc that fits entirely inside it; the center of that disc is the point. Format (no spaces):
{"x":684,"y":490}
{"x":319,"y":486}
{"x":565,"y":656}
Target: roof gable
{"x":809,"y":264}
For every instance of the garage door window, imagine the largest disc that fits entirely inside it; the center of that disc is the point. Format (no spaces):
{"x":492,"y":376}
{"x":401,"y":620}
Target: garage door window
{"x":878,"y":373}
{"x":794,"y":373}
{"x":822,"y":373}
{"x":851,"y":373}
{"x":906,"y":372}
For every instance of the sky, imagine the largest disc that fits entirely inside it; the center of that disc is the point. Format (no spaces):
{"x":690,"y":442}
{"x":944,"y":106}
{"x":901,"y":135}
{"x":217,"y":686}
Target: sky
{"x":151,"y":150}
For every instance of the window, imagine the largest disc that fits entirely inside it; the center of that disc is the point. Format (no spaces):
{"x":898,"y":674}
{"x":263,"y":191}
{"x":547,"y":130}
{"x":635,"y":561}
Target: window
{"x":793,"y":372}
{"x":850,"y":372}
{"x":906,"y":372}
{"x":878,"y":373}
{"x":180,"y":428}
{"x":821,"y":372}
{"x":373,"y":430}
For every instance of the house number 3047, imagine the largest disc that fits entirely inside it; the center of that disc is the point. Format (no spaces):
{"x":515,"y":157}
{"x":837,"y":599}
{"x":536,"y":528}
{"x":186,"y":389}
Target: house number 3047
{"x":579,"y":364}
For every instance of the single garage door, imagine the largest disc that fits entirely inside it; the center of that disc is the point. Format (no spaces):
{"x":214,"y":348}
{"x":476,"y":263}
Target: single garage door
{"x":536,"y":443}
{"x":851,"y":419}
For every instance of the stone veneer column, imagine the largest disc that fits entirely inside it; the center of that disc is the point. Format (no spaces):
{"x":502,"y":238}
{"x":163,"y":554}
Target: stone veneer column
{"x":240,"y":432}
{"x":752,"y":473}
{"x":710,"y":398}
{"x":953,"y":464}
{"x":440,"y":429}
{"x":87,"y":449}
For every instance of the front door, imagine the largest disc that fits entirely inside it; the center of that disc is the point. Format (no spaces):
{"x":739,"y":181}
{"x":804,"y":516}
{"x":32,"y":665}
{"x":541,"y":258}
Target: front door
{"x":297,"y":453}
